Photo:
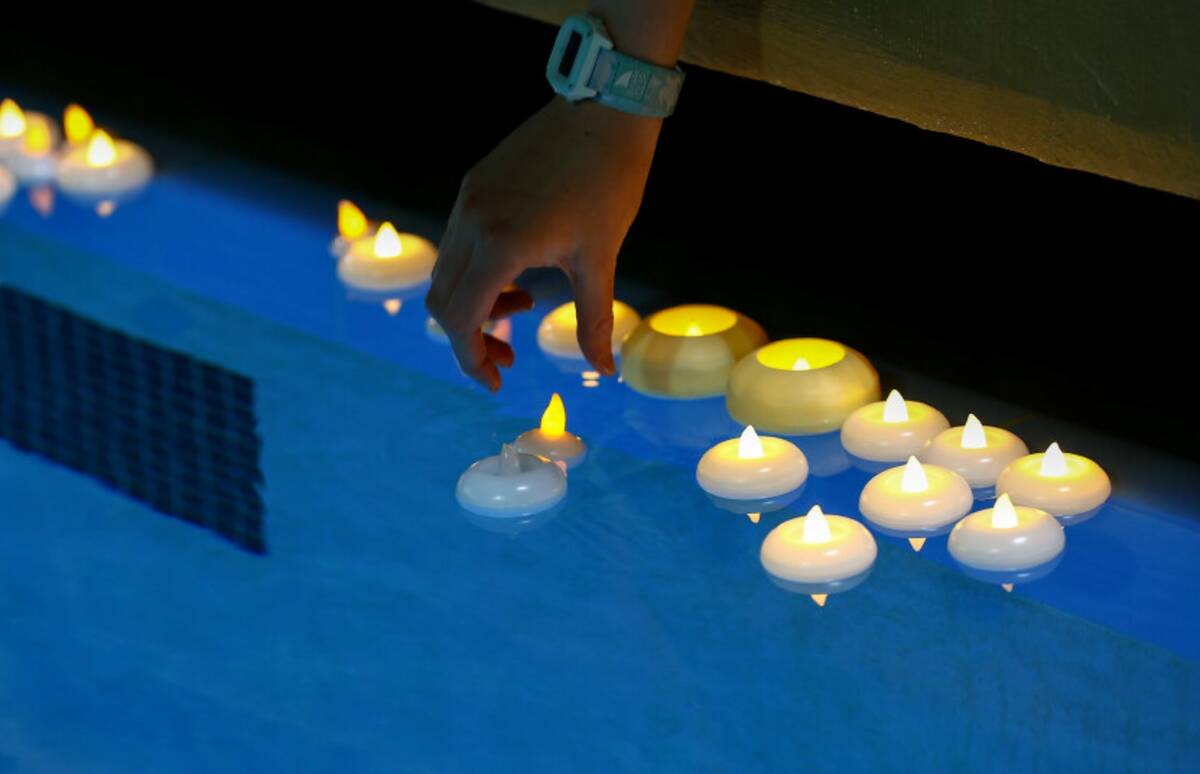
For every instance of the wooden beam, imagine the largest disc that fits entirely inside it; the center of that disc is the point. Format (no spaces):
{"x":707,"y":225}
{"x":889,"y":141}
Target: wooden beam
{"x":1106,"y":86}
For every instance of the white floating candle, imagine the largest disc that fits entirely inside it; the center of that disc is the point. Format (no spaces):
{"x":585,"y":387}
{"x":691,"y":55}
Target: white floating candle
{"x":1006,"y":538}
{"x":752,"y":467}
{"x":35,"y":160}
{"x":558,"y":333}
{"x":913,"y":499}
{"x":103,"y":168}
{"x":891,"y":430}
{"x":975,"y":451}
{"x":687,"y":351}
{"x":803,"y":386}
{"x":387,"y":261}
{"x":551,"y":440}
{"x":818,"y":549}
{"x":1061,"y":484}
{"x":511,"y":484}
{"x":15,"y":123}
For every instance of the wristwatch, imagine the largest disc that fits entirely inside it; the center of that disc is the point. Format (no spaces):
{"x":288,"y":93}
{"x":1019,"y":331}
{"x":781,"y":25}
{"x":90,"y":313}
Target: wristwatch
{"x":584,"y":65}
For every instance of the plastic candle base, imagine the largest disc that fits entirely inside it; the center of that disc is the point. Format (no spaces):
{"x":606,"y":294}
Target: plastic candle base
{"x":387,"y":261}
{"x":818,"y":549}
{"x":1006,"y":538}
{"x":511,"y":485}
{"x":558,"y":332}
{"x":974,"y":451}
{"x":1011,"y":577}
{"x":915,"y":500}
{"x":567,"y":448}
{"x":687,"y":351}
{"x":1070,"y":487}
{"x":757,"y":506}
{"x":891,"y":430}
{"x":800,"y":386}
{"x":752,"y":468}
{"x":104,"y":169}
{"x":33,"y":169}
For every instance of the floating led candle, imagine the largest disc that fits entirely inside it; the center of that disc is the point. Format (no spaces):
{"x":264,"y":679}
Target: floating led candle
{"x":975,"y":451}
{"x":915,"y":500}
{"x":35,"y":161}
{"x":687,"y":351}
{"x":387,"y":261}
{"x":891,"y":430}
{"x":352,"y":224}
{"x":77,"y":124}
{"x":818,"y":553}
{"x":15,"y":123}
{"x":752,"y":467}
{"x":551,"y":440}
{"x":557,"y":334}
{"x":1006,"y":538}
{"x":104,"y":169}
{"x":511,"y":484}
{"x":1068,"y":486}
{"x":800,"y":386}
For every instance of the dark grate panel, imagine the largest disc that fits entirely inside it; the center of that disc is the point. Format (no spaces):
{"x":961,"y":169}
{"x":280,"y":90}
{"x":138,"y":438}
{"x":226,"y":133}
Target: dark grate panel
{"x":175,"y":433}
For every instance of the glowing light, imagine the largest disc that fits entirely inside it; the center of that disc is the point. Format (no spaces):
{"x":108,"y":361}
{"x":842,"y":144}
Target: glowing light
{"x":352,"y":223}
{"x":387,"y":242}
{"x":1007,"y":587}
{"x":12,"y":119}
{"x":37,"y":140}
{"x":590,"y":375}
{"x":591,"y":382}
{"x":749,"y":445}
{"x":106,"y":208}
{"x":77,"y":124}
{"x":1004,"y":516}
{"x":1053,"y":461}
{"x":392,"y":306}
{"x":816,"y":526}
{"x":554,"y":418}
{"x":917,"y":543}
{"x":100,"y":150}
{"x":693,"y":320}
{"x":973,"y":436}
{"x":753,"y":517}
{"x":914,"y":478}
{"x":819,"y":599}
{"x":801,"y":354}
{"x":895,"y":410}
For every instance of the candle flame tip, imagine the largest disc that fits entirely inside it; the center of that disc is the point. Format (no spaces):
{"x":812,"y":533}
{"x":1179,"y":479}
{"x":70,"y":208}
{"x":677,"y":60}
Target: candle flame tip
{"x":895,"y":409}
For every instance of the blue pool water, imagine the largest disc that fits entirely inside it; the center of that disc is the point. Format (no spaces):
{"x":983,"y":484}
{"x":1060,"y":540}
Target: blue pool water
{"x":385,"y":630}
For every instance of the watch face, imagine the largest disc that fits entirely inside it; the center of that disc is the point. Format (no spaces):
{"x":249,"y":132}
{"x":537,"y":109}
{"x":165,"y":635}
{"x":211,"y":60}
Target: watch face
{"x":570,"y":53}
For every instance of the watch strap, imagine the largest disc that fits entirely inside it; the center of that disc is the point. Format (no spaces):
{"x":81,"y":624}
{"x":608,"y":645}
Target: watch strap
{"x":634,"y":86}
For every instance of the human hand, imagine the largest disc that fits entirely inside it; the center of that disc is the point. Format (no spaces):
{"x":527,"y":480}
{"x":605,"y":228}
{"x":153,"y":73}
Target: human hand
{"x":561,"y":190}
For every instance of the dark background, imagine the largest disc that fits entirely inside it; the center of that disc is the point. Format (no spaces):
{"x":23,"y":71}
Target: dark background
{"x":1067,"y":292}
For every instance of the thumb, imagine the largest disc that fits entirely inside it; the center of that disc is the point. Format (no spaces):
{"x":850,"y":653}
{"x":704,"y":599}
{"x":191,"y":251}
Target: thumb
{"x":593,"y":285}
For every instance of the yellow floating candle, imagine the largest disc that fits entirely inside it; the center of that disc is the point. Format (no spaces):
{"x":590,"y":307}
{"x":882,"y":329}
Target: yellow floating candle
{"x":752,"y":467}
{"x":818,"y":549}
{"x":387,"y":261}
{"x":551,"y":439}
{"x":800,"y":386}
{"x":1059,"y":483}
{"x":15,"y":125}
{"x":36,"y":160}
{"x":104,"y":169}
{"x":913,"y":499}
{"x":687,"y":351}
{"x":1006,"y":538}
{"x":891,"y":430}
{"x":975,"y":451}
{"x":558,"y":333}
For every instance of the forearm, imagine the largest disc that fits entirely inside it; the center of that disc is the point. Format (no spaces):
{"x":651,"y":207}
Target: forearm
{"x":652,"y":31}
